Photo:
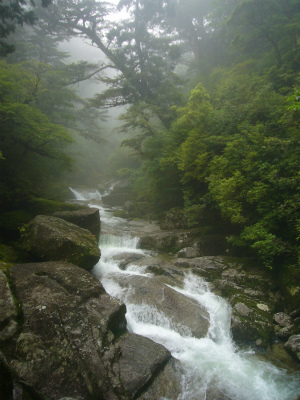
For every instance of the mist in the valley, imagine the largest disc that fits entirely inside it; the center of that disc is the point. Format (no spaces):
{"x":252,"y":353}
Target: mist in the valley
{"x":94,"y":163}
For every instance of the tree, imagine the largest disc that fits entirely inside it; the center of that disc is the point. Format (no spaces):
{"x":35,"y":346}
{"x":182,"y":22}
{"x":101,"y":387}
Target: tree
{"x":57,"y":80}
{"x":268,"y":25}
{"x":32,"y":146}
{"x":12,"y":14}
{"x":141,"y":61}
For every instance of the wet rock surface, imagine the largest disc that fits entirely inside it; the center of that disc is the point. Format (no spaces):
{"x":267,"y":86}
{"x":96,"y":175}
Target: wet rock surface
{"x":72,"y":339}
{"x":249,"y":290}
{"x":183,"y":241}
{"x":141,"y":360}
{"x":187,"y":316}
{"x":54,"y":239}
{"x":64,"y":338}
{"x":87,"y":218}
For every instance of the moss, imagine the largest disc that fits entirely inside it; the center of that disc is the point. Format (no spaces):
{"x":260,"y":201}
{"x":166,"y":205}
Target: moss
{"x":12,"y":220}
{"x":49,"y":207}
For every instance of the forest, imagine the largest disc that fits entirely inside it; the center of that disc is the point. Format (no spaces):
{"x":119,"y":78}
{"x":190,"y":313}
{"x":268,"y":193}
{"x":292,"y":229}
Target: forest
{"x":208,"y":96}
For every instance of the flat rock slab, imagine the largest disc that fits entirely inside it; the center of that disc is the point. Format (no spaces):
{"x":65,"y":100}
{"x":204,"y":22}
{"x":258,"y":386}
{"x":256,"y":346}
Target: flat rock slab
{"x":54,"y":239}
{"x":88,"y":218}
{"x":185,"y":315}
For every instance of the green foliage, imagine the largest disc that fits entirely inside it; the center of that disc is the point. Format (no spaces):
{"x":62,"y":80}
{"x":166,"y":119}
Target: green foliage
{"x":294,"y":101}
{"x":12,"y":14}
{"x":255,"y":180}
{"x":272,"y":25}
{"x":31,"y":145}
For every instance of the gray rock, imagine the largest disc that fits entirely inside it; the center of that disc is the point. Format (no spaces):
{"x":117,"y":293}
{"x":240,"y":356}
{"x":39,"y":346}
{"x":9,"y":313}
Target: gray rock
{"x":8,"y":311}
{"x":174,"y":240}
{"x":283,"y":319}
{"x":169,"y":242}
{"x":167,"y":385}
{"x":188,"y":252}
{"x":53,"y":239}
{"x":125,"y":259}
{"x":87,"y":218}
{"x":242,"y":309}
{"x":73,"y":341}
{"x":140,"y":360}
{"x":185,"y":314}
{"x":286,"y":332}
{"x":209,"y":267}
{"x":293,"y":346}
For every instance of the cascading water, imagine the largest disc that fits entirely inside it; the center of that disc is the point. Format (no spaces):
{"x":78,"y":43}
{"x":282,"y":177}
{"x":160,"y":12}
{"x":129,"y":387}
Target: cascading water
{"x":209,"y":363}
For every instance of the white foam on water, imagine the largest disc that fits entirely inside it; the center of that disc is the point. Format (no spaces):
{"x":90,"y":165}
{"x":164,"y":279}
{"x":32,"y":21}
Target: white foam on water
{"x":86,"y":195}
{"x":212,"y":363}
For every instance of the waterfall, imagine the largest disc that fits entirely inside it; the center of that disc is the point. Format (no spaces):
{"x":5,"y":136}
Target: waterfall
{"x":86,"y":195}
{"x":212,"y":362}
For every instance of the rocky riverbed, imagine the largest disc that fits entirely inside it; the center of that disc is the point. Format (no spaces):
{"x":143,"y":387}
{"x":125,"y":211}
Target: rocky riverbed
{"x":63,"y":336}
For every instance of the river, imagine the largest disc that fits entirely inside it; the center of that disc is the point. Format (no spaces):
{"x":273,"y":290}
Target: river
{"x":212,"y":364}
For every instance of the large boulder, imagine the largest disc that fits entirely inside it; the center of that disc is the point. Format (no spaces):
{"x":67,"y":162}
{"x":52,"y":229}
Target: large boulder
{"x":293,"y":346}
{"x":141,"y":359}
{"x":72,"y":341}
{"x":53,"y":239}
{"x":87,"y":218}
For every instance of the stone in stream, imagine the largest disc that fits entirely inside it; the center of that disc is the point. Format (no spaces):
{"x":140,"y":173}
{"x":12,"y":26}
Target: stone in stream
{"x":185,"y":315}
{"x":87,"y":218}
{"x":71,"y":340}
{"x":54,"y":239}
{"x":293,"y":346}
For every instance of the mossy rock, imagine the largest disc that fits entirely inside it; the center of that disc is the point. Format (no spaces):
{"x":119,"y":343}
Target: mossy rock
{"x":251,"y":320}
{"x":12,"y":221}
{"x":40,"y":206}
{"x":54,"y":239}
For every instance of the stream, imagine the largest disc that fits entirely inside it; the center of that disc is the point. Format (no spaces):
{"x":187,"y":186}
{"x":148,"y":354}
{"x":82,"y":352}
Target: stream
{"x":211,"y":364}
